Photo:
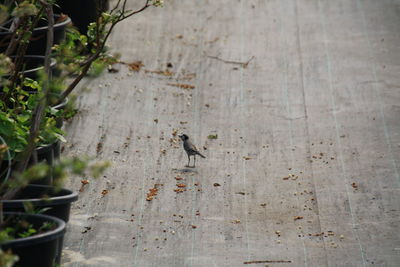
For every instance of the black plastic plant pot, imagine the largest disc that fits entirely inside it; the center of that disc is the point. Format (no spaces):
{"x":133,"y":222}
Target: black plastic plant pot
{"x":82,"y":12}
{"x":41,"y":250}
{"x":43,"y":196}
{"x":32,"y":64}
{"x":38,"y":42}
{"x":48,"y":153}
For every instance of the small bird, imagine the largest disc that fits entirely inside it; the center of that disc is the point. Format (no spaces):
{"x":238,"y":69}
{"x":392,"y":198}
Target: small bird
{"x":190,"y":149}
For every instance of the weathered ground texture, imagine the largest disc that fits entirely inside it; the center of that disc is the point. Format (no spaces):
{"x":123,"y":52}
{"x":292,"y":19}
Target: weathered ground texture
{"x":305,"y":168}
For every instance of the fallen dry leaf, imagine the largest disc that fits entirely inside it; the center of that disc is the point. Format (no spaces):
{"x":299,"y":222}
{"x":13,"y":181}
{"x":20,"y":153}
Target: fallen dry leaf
{"x":135,"y":66}
{"x":178,"y":178}
{"x":354,"y":185}
{"x":317,"y":234}
{"x":217,"y":184}
{"x":152,"y":193}
{"x":104,"y":192}
{"x":84,"y":181}
{"x":182,"y":85}
{"x":166,"y":73}
{"x":181,"y":185}
{"x":179,"y":190}
{"x":298,"y":218}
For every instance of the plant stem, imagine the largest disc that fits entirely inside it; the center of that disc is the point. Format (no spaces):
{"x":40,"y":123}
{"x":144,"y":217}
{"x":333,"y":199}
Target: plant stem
{"x":40,"y":108}
{"x":100,"y":47}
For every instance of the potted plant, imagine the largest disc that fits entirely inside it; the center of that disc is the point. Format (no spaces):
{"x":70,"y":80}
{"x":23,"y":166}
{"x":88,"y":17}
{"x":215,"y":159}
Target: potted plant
{"x":34,"y":239}
{"x":29,"y":16}
{"x":27,"y":119}
{"x":46,"y":200}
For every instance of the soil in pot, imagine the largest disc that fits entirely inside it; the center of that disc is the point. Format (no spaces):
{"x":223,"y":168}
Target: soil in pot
{"x":37,"y":242}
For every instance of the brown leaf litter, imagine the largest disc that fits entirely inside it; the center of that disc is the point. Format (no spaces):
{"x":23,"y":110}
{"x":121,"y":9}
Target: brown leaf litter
{"x":182,"y":85}
{"x":152,"y":193}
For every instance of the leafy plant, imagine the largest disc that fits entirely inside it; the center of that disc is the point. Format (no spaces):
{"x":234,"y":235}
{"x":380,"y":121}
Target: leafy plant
{"x":7,"y":259}
{"x":28,"y":120}
{"x":19,"y":227}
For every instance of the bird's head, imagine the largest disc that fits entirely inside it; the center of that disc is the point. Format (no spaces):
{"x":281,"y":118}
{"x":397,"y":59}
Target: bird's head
{"x":184,"y":137}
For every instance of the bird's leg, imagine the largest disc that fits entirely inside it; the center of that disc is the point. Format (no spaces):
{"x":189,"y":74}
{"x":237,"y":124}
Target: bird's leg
{"x":194,"y":164}
{"x":188,"y":165}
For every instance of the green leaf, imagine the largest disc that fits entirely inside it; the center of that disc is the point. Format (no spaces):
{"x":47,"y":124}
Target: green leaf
{"x":28,"y":82}
{"x":28,"y":207}
{"x":60,"y":137}
{"x":25,"y":9}
{"x":213,"y":136}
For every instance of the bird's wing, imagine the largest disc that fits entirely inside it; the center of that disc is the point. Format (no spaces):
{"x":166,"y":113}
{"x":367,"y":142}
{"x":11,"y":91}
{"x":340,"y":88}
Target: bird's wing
{"x":193,"y":147}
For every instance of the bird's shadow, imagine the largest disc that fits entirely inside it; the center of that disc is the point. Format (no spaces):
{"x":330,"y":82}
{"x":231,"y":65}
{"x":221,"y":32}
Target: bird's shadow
{"x":192,"y":170}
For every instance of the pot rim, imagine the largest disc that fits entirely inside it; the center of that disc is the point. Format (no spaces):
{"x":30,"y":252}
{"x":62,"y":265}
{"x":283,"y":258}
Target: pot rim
{"x":46,"y":147}
{"x":56,"y":25}
{"x":39,"y":238}
{"x":44,"y":28}
{"x":53,"y":63}
{"x":62,"y":104}
{"x":69,"y":197}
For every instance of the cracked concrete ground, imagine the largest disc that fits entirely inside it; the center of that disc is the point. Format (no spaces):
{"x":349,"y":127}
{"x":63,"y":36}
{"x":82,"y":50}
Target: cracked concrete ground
{"x":303,"y":97}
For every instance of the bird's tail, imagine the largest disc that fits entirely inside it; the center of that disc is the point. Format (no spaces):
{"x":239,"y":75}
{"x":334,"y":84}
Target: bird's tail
{"x":198,"y":153}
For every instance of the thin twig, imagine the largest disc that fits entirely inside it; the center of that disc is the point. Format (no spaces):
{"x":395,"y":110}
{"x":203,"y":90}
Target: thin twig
{"x":50,"y":41}
{"x":137,"y":11}
{"x":267,"y":261}
{"x":115,"y":7}
{"x":22,"y":47}
{"x":13,"y":41}
{"x":242,"y":64}
{"x":99,"y":49}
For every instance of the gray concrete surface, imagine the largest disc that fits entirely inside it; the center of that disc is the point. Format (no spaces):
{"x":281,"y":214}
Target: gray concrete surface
{"x":307,"y":154}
